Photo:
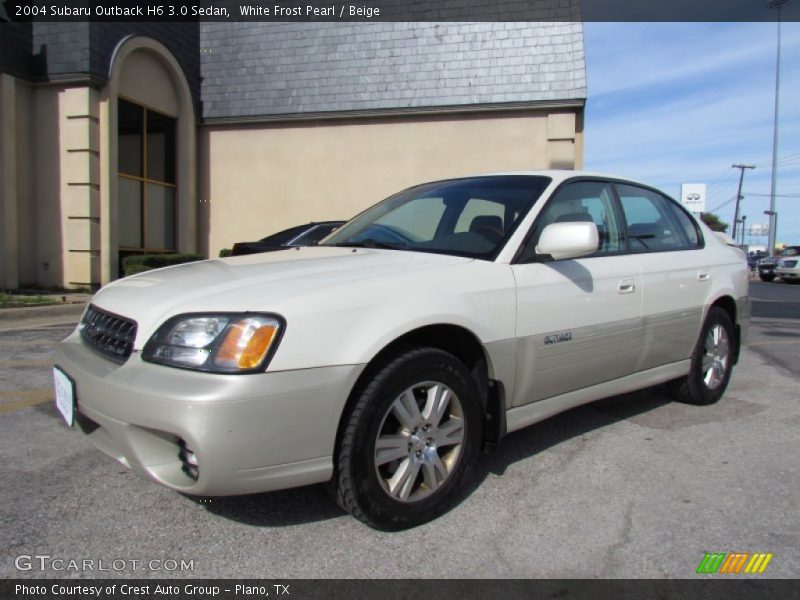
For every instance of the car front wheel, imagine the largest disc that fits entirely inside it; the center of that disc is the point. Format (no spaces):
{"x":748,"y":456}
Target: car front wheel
{"x":409,"y":441}
{"x":712,"y":362}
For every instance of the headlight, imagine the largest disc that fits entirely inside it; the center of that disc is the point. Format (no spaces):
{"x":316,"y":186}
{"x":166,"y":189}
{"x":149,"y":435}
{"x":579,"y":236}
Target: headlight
{"x":222,"y":343}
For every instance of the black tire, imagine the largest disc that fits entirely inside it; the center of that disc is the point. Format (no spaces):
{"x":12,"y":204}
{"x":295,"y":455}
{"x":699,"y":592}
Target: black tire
{"x":363,"y":487}
{"x":705,"y":384}
{"x":766,"y":277}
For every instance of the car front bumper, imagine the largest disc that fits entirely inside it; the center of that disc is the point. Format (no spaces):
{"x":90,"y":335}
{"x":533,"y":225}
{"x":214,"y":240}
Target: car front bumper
{"x":249,"y":433}
{"x":792,"y":274}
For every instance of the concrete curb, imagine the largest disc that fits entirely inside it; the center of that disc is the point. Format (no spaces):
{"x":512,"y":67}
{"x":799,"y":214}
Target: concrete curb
{"x":71,"y":310}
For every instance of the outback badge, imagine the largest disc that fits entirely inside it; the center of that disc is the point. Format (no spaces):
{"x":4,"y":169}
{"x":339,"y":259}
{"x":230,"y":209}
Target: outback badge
{"x":557,"y":338}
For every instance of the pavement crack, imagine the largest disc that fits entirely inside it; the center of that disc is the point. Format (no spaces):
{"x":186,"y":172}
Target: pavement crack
{"x":611,"y":560}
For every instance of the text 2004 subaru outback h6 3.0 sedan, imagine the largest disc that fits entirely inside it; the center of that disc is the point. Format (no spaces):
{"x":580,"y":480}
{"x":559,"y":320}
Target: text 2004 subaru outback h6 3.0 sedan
{"x":384,"y":359}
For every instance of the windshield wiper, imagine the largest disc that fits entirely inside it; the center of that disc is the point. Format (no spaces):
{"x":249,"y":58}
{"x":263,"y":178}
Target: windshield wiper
{"x":369,"y":243}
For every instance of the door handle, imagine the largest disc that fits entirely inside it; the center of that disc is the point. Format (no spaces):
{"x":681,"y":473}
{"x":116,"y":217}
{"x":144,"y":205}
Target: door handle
{"x":626,"y":286}
{"x":703,"y":275}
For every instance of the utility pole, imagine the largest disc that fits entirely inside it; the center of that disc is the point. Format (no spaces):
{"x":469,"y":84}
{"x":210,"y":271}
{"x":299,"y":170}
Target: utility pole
{"x":739,"y":194}
{"x":773,"y":215}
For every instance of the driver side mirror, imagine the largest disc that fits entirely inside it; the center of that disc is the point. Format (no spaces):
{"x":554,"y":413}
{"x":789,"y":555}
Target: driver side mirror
{"x":568,"y":240}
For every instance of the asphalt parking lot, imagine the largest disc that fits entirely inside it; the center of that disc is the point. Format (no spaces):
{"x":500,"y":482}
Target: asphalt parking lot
{"x":628,"y":487}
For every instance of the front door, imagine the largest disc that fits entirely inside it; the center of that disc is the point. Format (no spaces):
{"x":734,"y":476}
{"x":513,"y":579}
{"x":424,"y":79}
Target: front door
{"x":579,"y":322}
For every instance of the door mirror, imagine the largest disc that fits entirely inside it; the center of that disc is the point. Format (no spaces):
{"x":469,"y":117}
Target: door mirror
{"x":568,"y":240}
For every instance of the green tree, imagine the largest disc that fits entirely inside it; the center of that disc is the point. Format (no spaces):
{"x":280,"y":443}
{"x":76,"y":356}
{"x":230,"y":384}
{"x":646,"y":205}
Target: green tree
{"x":714,"y":222}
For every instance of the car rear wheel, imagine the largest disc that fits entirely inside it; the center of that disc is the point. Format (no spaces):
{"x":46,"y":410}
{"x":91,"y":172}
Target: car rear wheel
{"x":409,"y":441}
{"x":712,"y":362}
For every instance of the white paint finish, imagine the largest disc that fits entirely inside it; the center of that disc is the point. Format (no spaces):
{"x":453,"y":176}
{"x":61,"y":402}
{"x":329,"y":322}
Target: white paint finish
{"x":349,"y":303}
{"x":568,"y":240}
{"x":576,"y":297}
{"x":250,"y":433}
{"x":343,"y":305}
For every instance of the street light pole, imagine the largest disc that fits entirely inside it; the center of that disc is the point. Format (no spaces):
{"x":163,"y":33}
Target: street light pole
{"x":772,"y":216}
{"x":773,"y":221}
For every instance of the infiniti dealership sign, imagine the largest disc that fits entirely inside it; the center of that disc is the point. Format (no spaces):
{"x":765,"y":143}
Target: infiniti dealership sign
{"x":693,"y":197}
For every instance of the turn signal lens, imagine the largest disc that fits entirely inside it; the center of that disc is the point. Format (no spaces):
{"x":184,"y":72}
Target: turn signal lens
{"x":216,"y":343}
{"x":246,"y":343}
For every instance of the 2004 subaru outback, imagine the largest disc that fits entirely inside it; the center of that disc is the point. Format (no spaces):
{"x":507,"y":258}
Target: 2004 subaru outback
{"x":427,"y":327}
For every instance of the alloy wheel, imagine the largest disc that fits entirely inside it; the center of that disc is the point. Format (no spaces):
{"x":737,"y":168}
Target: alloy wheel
{"x":420,"y":441}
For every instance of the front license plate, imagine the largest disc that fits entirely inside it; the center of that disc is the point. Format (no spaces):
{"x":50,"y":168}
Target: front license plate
{"x":65,"y":395}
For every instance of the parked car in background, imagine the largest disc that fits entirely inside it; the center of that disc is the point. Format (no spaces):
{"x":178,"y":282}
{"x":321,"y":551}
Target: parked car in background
{"x":301,"y":235}
{"x":384,"y":360}
{"x":787,"y":267}
{"x":767,"y":266}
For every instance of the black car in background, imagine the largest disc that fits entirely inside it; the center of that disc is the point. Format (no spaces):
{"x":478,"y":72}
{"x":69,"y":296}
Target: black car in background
{"x":301,"y":235}
{"x":766,"y":266}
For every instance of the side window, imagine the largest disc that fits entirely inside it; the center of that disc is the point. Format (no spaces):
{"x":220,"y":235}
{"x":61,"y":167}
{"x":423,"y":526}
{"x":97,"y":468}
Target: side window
{"x":589,"y":201}
{"x":690,"y":230}
{"x":652,"y":223}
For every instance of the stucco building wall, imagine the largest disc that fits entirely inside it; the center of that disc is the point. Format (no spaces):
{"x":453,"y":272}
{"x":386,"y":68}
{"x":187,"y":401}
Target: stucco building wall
{"x":276,"y":124}
{"x":258,"y":179}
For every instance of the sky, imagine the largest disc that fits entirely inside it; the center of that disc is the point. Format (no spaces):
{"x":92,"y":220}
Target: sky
{"x":673,"y":103}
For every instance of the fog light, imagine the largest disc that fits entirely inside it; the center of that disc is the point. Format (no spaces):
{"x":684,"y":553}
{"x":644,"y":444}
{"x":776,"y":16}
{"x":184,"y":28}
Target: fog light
{"x":188,"y":460}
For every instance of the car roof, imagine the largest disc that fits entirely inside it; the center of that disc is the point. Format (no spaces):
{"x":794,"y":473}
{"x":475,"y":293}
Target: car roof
{"x":559,"y":175}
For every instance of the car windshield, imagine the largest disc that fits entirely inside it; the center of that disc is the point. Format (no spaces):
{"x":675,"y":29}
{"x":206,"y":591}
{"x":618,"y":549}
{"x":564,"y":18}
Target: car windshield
{"x":471,"y":217}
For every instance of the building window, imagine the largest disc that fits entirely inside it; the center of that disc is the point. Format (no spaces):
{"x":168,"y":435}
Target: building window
{"x":146,"y":180}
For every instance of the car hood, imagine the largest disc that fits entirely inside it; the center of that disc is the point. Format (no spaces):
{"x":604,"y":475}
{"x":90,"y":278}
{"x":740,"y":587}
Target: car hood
{"x":256,"y":282}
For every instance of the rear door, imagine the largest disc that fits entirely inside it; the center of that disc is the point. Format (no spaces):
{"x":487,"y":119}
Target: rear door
{"x":579,"y":322}
{"x":675,"y":281}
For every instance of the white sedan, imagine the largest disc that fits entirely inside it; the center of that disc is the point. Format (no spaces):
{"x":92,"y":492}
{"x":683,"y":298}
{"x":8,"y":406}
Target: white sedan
{"x":788,"y":265}
{"x":386,"y":358}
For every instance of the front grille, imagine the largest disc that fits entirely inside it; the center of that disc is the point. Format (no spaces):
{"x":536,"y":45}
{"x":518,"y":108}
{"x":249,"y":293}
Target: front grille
{"x":789,"y":264}
{"x":108,"y":333}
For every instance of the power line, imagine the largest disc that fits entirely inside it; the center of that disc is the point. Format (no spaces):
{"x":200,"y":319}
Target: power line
{"x":723,"y":191}
{"x":725,"y":173}
{"x":776,"y":195}
{"x":723,"y":205}
{"x":789,"y":158}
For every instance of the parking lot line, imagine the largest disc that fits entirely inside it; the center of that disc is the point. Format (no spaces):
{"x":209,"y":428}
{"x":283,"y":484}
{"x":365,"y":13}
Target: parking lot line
{"x":27,"y":398}
{"x":16,"y":364}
